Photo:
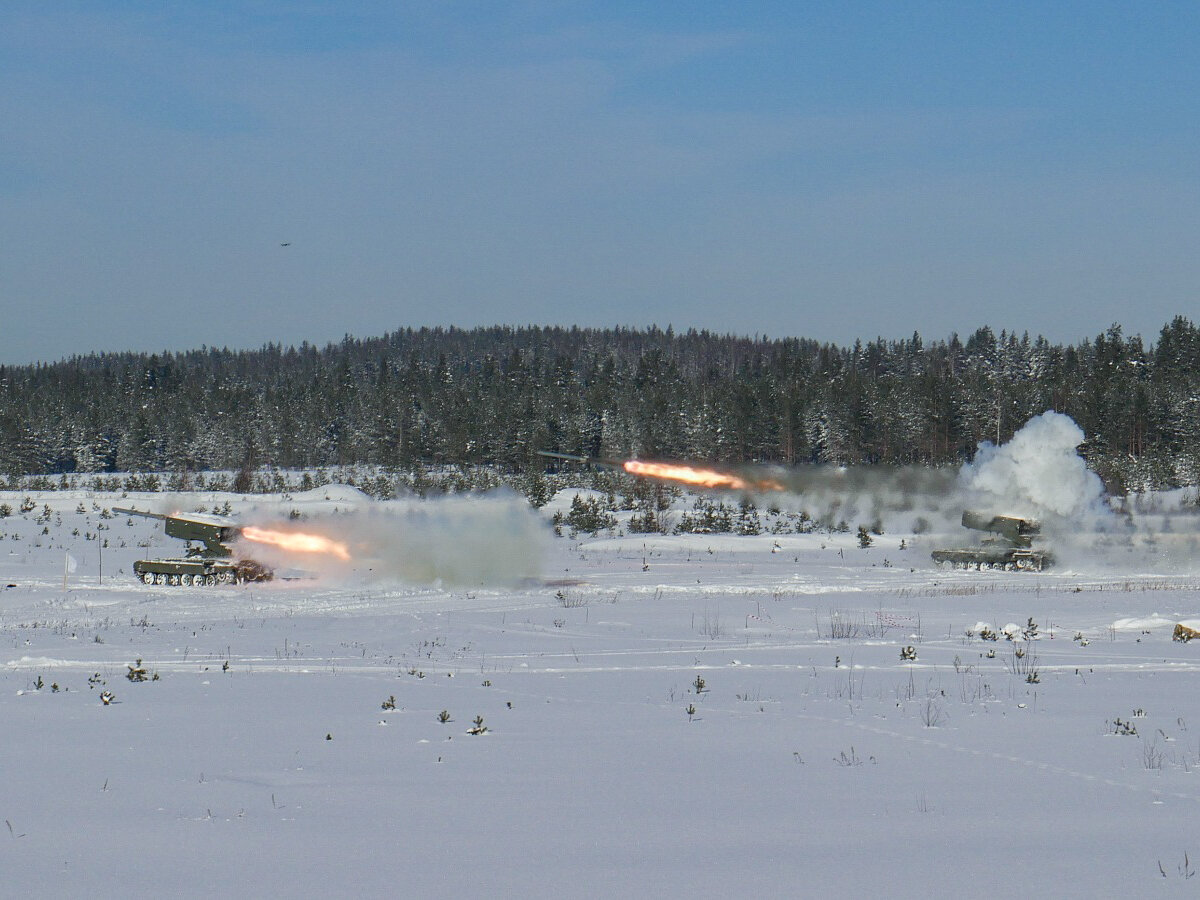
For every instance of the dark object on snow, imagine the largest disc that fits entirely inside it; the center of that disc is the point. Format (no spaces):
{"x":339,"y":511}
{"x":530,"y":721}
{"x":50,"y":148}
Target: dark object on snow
{"x":1184,"y":633}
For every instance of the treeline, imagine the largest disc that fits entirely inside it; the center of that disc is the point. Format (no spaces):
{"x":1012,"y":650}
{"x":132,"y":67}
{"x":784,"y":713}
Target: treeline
{"x":493,"y":396}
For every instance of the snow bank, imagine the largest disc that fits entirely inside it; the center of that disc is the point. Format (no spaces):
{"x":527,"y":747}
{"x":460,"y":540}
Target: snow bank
{"x":1144,"y":623}
{"x":37,"y":662}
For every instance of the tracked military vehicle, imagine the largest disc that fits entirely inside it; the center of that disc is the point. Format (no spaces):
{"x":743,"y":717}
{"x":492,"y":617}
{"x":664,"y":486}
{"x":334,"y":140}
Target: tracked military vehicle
{"x":211,"y":563}
{"x":1011,"y":548}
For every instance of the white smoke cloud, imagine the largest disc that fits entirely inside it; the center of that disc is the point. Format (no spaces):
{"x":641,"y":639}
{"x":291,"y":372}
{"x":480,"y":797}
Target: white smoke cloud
{"x":1038,"y":474}
{"x":1039,"y":471}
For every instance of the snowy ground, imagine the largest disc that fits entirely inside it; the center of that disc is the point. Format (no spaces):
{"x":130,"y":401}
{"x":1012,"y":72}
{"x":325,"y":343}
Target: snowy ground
{"x":813,"y":761}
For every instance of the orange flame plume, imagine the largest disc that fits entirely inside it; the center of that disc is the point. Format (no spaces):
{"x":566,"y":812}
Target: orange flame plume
{"x":296,"y":541}
{"x":700,"y":477}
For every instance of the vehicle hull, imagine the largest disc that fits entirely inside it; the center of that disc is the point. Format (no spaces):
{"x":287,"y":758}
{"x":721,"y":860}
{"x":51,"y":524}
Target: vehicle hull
{"x":199,"y":571}
{"x":1016,"y":559}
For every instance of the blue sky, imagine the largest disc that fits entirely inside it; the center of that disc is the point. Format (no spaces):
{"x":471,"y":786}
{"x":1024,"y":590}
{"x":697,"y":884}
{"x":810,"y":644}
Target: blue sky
{"x":828,"y":170}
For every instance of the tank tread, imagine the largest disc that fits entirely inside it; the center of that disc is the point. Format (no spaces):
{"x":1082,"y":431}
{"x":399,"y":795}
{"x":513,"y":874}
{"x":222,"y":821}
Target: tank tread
{"x":194,"y":572}
{"x":1019,"y":560}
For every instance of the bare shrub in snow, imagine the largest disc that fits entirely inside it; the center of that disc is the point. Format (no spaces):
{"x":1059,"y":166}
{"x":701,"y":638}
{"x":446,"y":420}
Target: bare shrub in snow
{"x":931,"y":713}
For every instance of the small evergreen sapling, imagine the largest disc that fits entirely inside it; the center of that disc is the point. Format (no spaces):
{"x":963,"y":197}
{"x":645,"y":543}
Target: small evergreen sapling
{"x":1124,"y":728}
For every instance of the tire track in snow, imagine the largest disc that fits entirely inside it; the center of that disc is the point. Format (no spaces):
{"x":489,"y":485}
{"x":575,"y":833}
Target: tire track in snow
{"x":1036,"y":765}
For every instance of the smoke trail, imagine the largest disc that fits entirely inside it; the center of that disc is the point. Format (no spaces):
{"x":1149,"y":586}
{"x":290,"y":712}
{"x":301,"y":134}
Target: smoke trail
{"x":492,"y":540}
{"x":1038,"y":474}
{"x":898,"y":498}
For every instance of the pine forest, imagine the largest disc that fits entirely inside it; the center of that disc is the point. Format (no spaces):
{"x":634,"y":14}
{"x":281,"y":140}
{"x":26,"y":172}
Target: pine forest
{"x":492,"y":397}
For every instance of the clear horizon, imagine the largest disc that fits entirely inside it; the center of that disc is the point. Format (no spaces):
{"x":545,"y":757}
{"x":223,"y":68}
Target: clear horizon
{"x":236,"y":174}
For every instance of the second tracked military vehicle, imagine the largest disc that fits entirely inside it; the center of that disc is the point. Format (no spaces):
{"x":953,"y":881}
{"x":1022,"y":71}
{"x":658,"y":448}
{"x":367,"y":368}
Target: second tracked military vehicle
{"x":1010,"y":548}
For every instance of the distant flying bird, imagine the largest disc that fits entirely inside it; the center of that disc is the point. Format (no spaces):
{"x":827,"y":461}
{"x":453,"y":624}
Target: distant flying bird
{"x":285,"y":244}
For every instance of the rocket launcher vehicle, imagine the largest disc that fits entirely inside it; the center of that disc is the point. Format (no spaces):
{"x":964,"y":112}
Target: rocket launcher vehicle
{"x":213,"y":562}
{"x":1011,"y":548}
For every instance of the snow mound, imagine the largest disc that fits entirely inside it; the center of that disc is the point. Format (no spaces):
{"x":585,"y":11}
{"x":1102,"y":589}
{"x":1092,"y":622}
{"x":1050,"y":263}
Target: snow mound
{"x":1135,"y":624}
{"x":36,"y":662}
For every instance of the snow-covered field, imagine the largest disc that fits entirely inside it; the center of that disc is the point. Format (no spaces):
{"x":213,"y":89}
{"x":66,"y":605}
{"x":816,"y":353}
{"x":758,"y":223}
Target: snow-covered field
{"x":695,"y":715}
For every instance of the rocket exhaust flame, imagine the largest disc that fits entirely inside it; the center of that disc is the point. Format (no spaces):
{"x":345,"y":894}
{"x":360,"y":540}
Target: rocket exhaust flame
{"x":710,"y":478}
{"x":700,"y":477}
{"x":296,"y":541}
